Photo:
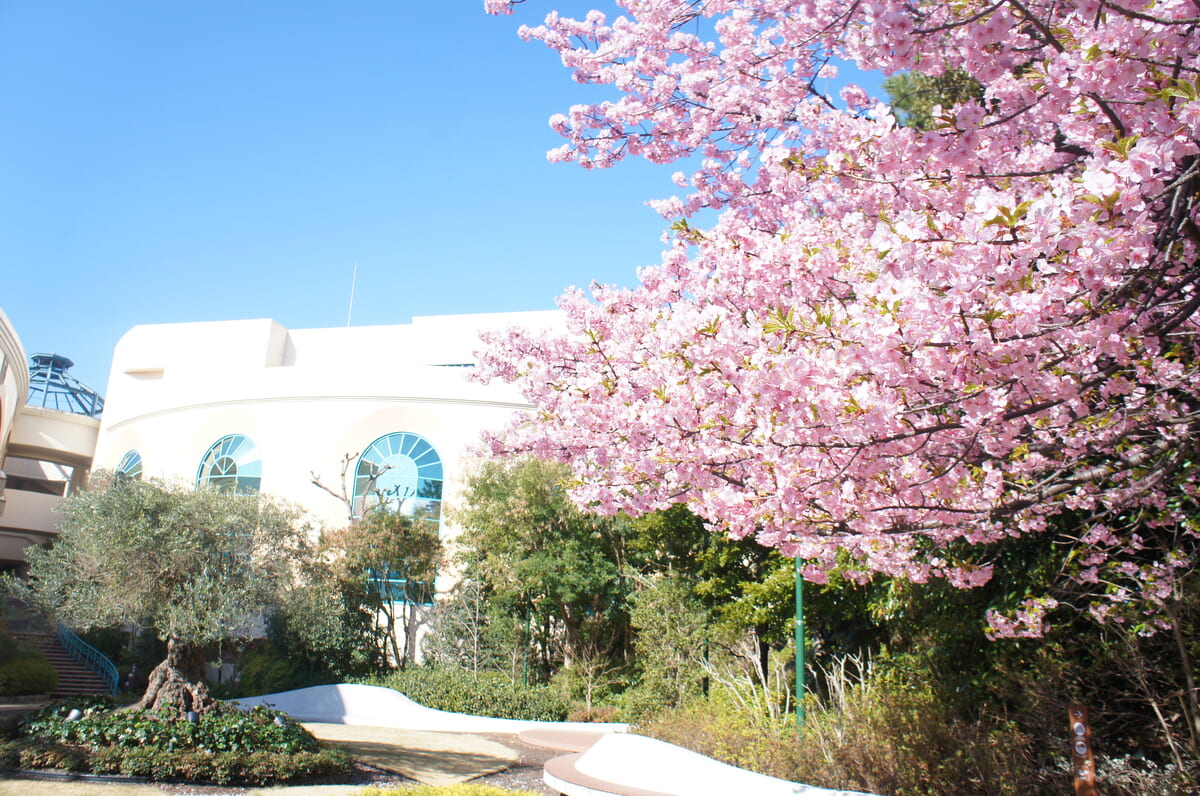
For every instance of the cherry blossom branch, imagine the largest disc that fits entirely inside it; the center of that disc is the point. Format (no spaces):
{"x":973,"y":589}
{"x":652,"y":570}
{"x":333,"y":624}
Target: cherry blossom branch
{"x":1131,"y":14}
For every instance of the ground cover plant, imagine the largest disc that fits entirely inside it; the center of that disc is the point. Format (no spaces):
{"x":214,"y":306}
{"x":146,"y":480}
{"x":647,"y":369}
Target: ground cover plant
{"x":223,"y":745}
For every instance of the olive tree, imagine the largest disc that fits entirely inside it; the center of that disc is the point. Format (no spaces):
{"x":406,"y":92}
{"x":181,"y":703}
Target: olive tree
{"x":197,"y":566}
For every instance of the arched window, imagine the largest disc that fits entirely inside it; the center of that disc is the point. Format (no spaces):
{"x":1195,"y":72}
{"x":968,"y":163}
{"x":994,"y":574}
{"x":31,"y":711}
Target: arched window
{"x":403,"y":471}
{"x":234,"y":463}
{"x":130,"y":465}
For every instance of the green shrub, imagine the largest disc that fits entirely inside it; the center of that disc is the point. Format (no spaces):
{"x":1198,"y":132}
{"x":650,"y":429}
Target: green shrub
{"x":24,"y":669}
{"x":8,"y":647}
{"x":672,"y":633}
{"x":27,"y":676}
{"x":141,"y":762}
{"x":482,"y":694}
{"x":10,"y":753}
{"x":263,"y":671}
{"x":108,"y":760}
{"x":879,"y":735}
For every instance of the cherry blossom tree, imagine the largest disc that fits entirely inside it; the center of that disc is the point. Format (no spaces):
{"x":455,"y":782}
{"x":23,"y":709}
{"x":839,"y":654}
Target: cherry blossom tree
{"x":893,"y":346}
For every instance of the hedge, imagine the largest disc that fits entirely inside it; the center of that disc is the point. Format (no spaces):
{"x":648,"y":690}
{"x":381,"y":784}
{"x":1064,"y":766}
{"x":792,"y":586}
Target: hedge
{"x":24,"y":669}
{"x":479,"y":694}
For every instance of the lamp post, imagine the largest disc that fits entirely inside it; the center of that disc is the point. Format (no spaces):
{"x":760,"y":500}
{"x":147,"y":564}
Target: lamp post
{"x":799,"y":631}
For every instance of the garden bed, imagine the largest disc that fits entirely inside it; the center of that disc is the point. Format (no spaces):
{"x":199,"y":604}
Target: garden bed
{"x":222,"y":747}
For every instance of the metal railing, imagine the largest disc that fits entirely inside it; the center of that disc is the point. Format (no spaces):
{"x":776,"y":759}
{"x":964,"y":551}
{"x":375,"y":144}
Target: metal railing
{"x":90,"y":657}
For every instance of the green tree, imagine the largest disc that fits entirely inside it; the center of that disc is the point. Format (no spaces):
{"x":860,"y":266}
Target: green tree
{"x":672,"y":637}
{"x":467,"y":632}
{"x":914,"y":95}
{"x":198,"y":566}
{"x":393,"y":557}
{"x":536,"y":551}
{"x":325,"y":627}
{"x":744,"y":586}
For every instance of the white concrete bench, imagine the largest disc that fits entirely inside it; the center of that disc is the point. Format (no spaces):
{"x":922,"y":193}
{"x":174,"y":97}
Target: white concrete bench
{"x":373,"y":705}
{"x":624,"y":764}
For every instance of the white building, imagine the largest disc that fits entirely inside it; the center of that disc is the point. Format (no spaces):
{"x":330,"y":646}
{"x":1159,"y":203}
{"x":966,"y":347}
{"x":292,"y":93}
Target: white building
{"x":255,"y":405}
{"x":48,"y":430}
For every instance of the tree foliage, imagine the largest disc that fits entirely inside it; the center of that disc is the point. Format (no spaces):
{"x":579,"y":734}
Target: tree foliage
{"x":915,"y":97}
{"x":672,"y":639}
{"x":324,"y":631}
{"x":389,"y":560}
{"x":894,"y":345}
{"x":744,"y":588}
{"x":471,"y":632}
{"x":535,"y":551}
{"x":197,"y":566}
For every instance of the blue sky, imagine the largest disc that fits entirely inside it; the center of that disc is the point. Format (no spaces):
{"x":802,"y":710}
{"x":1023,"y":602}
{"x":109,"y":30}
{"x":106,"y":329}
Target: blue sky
{"x":167,"y":162}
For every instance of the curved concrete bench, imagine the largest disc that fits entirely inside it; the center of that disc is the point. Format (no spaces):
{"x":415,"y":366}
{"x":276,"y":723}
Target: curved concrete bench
{"x":375,"y":706}
{"x":623,"y":764}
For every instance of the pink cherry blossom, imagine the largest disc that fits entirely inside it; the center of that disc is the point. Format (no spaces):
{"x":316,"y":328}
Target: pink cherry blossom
{"x":892,"y":340}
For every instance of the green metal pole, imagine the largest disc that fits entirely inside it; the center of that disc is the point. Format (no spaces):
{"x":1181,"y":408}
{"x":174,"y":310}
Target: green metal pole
{"x":799,"y":646}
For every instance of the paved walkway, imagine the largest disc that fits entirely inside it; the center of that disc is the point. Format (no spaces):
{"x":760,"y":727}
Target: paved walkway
{"x":388,"y":731}
{"x":434,"y":758}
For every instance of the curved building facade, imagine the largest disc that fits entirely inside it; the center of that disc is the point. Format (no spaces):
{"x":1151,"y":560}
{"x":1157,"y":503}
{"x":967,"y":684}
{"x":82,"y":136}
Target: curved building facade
{"x":329,"y":419}
{"x":14,"y":386}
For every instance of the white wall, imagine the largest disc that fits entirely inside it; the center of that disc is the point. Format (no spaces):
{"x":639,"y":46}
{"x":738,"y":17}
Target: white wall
{"x":14,"y":386}
{"x":54,"y":436}
{"x":306,"y":397}
{"x":25,"y":512}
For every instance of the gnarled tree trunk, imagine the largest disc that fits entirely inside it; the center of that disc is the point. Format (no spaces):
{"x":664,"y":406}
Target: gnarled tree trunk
{"x":178,"y":682}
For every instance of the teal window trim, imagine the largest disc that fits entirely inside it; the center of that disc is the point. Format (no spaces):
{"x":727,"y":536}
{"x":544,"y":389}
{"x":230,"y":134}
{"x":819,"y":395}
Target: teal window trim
{"x":130,"y":465}
{"x":232,"y":462}
{"x":401,"y":470}
{"x":396,"y":589}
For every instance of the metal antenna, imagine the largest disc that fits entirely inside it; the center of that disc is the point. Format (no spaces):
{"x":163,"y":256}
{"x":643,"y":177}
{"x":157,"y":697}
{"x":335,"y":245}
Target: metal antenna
{"x":353,"y":282}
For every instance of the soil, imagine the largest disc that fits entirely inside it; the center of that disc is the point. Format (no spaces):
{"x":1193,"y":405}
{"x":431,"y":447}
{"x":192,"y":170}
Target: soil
{"x":526,"y":774}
